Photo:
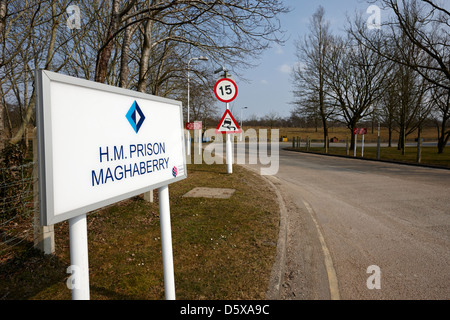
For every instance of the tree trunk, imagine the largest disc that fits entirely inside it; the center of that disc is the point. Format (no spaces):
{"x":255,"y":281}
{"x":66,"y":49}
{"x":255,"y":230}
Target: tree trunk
{"x":26,"y":119}
{"x":104,"y":55}
{"x":352,"y":126}
{"x":325,"y":132}
{"x":390,"y":136}
{"x":445,"y":133}
{"x":2,"y":124}
{"x":352,"y":142}
{"x":443,"y":137}
{"x":124,"y":69}
{"x":29,"y":110}
{"x":401,"y":136}
{"x":145,"y":56}
{"x":3,"y":11}
{"x":51,"y":47}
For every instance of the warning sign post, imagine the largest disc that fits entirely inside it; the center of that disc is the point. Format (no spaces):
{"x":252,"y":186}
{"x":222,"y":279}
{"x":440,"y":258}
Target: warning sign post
{"x":361,"y":131}
{"x":226,"y":91}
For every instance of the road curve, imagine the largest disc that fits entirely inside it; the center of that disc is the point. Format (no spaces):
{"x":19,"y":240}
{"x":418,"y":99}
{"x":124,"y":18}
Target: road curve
{"x":385,"y":226}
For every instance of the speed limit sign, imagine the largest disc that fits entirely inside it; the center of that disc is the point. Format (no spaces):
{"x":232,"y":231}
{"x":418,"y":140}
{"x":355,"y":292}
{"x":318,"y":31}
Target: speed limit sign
{"x":226,"y":90}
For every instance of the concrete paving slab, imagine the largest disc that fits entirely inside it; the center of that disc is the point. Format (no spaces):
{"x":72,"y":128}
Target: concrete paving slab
{"x":215,"y":193}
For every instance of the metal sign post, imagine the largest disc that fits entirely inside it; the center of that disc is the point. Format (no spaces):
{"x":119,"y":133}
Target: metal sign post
{"x":79,"y":258}
{"x":166,"y":242}
{"x":199,"y":130}
{"x":226,"y":91}
{"x":362,"y":131}
{"x":378,"y":142}
{"x":362,"y":147}
{"x":229,"y":151}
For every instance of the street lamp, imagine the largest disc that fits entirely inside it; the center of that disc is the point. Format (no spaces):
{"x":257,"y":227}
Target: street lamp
{"x":202,"y":58}
{"x":241,"y":114}
{"x":222,"y":69}
{"x":241,"y":120}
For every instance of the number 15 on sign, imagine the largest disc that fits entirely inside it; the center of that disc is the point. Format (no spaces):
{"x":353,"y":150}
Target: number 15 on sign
{"x":226,"y":90}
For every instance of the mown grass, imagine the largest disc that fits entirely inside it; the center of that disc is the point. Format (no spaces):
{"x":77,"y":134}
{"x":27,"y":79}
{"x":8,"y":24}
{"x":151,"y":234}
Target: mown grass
{"x":223,"y":249}
{"x":429,"y":155}
{"x":428,"y":133}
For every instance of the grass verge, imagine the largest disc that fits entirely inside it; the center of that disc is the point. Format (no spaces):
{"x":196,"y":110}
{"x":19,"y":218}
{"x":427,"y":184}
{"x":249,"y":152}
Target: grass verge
{"x":223,"y":249}
{"x":429,"y":154}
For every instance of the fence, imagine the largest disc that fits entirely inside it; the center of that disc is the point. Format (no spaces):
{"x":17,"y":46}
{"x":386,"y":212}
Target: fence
{"x":19,"y":206}
{"x":16,"y":207}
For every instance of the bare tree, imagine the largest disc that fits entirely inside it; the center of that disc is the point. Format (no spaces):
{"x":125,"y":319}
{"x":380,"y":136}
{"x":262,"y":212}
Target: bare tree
{"x":309,"y":74}
{"x":422,"y":25}
{"x":355,"y":75}
{"x":271,"y":119}
{"x":3,"y":12}
{"x":104,"y":53}
{"x":203,"y":104}
{"x":412,"y":107}
{"x":425,"y":24}
{"x":137,"y":44}
{"x":229,"y":30}
{"x":441,"y":114}
{"x":125,"y":53}
{"x":28,"y":38}
{"x":389,"y":104}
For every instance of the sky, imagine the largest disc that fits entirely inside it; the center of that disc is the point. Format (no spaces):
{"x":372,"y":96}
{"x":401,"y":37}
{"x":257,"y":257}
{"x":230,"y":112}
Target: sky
{"x":268,"y":88}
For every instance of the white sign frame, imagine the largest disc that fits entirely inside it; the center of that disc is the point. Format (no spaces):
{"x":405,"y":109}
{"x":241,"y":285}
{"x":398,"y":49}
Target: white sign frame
{"x":46,"y":120}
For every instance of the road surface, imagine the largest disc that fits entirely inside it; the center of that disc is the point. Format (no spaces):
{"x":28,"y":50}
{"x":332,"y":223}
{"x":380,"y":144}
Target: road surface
{"x":344,"y":216}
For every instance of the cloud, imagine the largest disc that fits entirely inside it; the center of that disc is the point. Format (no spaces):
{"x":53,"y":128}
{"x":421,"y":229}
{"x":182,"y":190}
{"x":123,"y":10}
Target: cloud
{"x":264,"y":81}
{"x":279,"y":49}
{"x":301,"y":66}
{"x":285,"y":68}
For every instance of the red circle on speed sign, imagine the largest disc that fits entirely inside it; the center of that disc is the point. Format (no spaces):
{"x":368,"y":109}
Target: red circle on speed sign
{"x":225,"y":90}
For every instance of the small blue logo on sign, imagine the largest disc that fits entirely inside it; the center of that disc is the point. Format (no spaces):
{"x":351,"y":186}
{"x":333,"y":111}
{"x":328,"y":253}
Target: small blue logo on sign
{"x":135,"y":117}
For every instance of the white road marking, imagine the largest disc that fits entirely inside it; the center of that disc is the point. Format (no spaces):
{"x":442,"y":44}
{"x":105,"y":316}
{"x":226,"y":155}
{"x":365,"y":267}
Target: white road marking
{"x":332,"y":278}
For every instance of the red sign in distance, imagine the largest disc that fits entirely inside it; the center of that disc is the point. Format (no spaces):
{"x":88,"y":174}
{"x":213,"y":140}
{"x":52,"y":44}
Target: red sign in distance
{"x":193,"y":126}
{"x":360,"y":131}
{"x":225,"y":90}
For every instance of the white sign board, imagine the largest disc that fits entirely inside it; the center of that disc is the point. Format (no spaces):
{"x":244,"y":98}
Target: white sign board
{"x":100,"y":144}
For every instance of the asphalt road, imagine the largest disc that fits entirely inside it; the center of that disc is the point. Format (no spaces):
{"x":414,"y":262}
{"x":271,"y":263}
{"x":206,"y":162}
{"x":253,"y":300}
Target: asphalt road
{"x":344,"y":216}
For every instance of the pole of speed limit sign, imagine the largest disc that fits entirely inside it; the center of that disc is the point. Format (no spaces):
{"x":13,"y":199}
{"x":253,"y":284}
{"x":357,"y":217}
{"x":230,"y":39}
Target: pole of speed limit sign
{"x":226,"y":91}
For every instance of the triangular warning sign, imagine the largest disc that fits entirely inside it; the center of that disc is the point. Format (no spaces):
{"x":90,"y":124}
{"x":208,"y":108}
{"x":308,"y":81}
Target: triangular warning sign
{"x":228,"y":124}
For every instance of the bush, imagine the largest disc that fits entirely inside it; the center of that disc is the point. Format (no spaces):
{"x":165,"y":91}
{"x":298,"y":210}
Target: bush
{"x":15,"y":181}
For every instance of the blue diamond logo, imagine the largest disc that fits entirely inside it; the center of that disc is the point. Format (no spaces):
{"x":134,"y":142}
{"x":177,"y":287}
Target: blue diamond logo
{"x":135,"y":117}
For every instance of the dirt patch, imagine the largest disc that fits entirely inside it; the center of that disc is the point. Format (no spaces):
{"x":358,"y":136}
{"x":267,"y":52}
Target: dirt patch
{"x":214,"y":193}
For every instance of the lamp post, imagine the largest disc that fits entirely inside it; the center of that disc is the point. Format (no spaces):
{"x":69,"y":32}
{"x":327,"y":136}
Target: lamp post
{"x":188,"y":143}
{"x":241,"y":120}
